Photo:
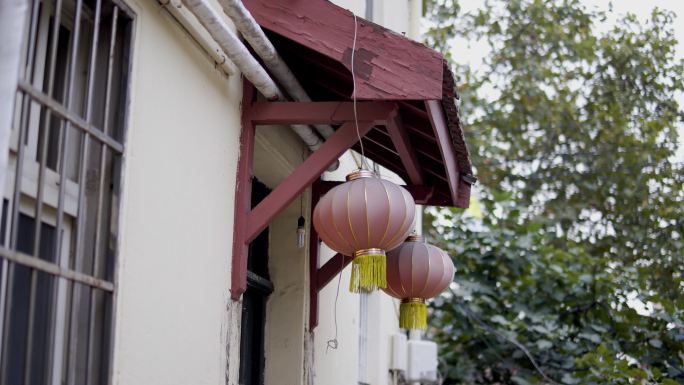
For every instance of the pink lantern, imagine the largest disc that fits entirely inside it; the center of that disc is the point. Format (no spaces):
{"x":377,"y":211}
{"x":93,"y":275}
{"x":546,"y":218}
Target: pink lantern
{"x":416,"y":271}
{"x":363,"y":218}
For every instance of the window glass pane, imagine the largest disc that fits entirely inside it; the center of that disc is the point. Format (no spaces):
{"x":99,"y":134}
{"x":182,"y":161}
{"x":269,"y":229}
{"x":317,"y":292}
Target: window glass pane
{"x":25,"y":315}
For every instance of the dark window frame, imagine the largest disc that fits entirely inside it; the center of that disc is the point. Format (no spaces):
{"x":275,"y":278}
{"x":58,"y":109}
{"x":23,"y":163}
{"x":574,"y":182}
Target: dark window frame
{"x":254,"y":300}
{"x":59,"y":238}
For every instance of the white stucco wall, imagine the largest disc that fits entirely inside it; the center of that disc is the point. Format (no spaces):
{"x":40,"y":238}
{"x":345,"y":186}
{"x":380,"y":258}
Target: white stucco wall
{"x":177,"y":214}
{"x":175,"y":322}
{"x":277,"y":152}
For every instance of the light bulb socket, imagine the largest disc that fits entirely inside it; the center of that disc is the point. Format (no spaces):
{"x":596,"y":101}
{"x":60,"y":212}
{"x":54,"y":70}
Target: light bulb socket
{"x":301,"y":232}
{"x":361,"y":173}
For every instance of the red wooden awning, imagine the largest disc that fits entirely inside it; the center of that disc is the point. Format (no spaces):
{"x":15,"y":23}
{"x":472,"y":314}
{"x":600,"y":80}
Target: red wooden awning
{"x":407,"y":116}
{"x":423,"y":141}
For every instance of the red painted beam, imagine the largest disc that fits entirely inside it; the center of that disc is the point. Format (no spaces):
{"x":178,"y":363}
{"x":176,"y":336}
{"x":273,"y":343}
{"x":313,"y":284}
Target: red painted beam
{"x":243,"y":195}
{"x":320,"y":112}
{"x":446,"y":148}
{"x":288,"y":190}
{"x":334,"y":266}
{"x":421,"y":194}
{"x":388,"y":66}
{"x":314,"y":246}
{"x":402,"y":145}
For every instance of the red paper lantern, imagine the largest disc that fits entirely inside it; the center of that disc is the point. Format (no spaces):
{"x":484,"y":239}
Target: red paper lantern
{"x":363,"y":218}
{"x":416,"y":271}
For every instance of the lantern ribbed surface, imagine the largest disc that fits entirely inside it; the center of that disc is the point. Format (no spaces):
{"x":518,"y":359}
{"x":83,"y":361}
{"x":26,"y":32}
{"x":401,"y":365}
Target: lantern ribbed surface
{"x":363,"y":218}
{"x":417,"y":271}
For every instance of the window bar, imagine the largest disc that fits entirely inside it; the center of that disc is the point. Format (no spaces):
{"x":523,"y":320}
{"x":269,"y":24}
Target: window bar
{"x":56,"y":22}
{"x":57,"y":330}
{"x":19,"y":258}
{"x":80,"y":219}
{"x":29,"y":329}
{"x":3,"y":302}
{"x":110,"y":66}
{"x":23,"y":72}
{"x":105,"y":129}
{"x":13,"y":208}
{"x":38,"y":219}
{"x":14,"y":233}
{"x":76,"y":120}
{"x":98,"y":216}
{"x":64,"y":138}
{"x":23,"y":131}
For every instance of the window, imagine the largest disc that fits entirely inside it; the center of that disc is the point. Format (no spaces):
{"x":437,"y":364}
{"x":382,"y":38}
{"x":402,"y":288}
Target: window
{"x":58,"y":226}
{"x":254,"y":302}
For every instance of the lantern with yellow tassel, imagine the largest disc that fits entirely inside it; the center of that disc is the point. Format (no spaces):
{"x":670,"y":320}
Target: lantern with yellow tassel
{"x":363,"y":218}
{"x":417,"y":271}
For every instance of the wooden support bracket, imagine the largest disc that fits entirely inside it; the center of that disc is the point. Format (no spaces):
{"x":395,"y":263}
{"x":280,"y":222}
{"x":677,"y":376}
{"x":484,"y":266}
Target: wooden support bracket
{"x":446,"y":148}
{"x":307,"y":172}
{"x":250,"y":223}
{"x":321,"y":112}
{"x":401,"y":142}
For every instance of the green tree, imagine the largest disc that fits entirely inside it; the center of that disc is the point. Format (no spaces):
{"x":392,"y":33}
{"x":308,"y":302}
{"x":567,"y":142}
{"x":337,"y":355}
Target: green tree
{"x":575,"y":273}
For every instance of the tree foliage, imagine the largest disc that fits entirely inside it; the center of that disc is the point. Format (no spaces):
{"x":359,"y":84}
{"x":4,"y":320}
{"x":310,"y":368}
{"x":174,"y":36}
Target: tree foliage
{"x":579,"y":258}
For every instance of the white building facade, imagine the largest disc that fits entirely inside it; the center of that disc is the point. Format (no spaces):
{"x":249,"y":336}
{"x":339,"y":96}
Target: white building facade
{"x":124,"y":140}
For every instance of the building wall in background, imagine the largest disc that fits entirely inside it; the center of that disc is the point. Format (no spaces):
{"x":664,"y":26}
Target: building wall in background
{"x":177,"y":219}
{"x":175,"y":321}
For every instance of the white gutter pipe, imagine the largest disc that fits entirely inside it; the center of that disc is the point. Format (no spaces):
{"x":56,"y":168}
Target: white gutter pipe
{"x":233,"y":47}
{"x":252,"y":32}
{"x":199,"y":34}
{"x":12,"y":18}
{"x":238,"y":53}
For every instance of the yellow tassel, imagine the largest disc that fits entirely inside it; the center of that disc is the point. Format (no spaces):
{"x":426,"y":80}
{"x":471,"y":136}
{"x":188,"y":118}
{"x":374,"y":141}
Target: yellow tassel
{"x":413,"y":314}
{"x":368,"y":273}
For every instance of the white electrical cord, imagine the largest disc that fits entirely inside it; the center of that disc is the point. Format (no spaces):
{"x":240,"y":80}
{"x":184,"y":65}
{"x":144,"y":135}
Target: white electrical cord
{"x":364,"y":163}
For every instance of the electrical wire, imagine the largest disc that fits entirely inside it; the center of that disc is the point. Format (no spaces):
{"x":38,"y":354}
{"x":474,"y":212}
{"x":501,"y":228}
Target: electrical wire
{"x":364,"y":163}
{"x":333,"y":343}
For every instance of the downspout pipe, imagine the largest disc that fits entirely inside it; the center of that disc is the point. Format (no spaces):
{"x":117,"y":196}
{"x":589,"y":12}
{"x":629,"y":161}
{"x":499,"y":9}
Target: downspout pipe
{"x":212,"y":21}
{"x":252,"y":32}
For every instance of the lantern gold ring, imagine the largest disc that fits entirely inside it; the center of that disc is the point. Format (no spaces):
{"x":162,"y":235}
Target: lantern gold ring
{"x":364,"y":252}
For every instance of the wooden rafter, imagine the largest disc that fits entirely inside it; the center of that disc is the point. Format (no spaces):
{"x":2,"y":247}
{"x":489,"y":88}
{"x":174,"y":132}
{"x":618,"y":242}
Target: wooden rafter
{"x":446,"y":148}
{"x":401,"y":143}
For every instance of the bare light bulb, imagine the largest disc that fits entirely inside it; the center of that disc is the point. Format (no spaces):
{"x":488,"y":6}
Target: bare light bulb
{"x":301,"y":232}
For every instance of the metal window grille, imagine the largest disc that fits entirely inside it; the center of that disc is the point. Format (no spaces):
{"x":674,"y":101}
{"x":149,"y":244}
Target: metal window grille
{"x":59,"y":224}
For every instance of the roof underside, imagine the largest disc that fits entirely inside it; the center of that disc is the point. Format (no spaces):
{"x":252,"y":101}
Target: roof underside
{"x":315,"y":39}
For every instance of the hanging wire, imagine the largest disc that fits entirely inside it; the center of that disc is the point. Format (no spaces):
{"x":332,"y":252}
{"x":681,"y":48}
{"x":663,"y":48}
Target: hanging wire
{"x":301,"y":195}
{"x":364,"y":163}
{"x":333,"y":343}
